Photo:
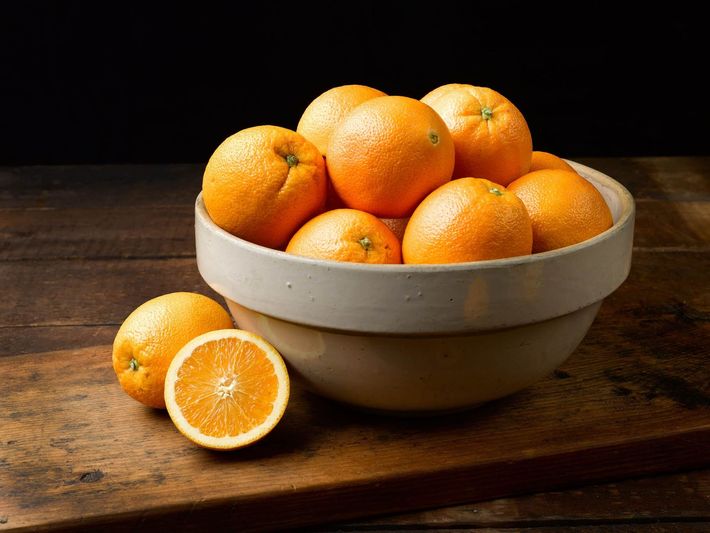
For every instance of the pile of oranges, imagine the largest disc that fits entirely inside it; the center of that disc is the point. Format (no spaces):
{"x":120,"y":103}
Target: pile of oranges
{"x":380,"y":179}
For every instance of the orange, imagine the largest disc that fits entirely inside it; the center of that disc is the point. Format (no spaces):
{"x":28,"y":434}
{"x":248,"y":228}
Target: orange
{"x":546,"y":160}
{"x":564,"y":208}
{"x":387,"y":154}
{"x":325,"y":112}
{"x":346,"y":235}
{"x":469,"y":219}
{"x":151,"y":336}
{"x":262,"y":183}
{"x":491,"y":136}
{"x":226,"y":389}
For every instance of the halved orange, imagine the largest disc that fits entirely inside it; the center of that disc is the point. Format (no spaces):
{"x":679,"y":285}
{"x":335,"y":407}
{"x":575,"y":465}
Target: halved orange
{"x":226,"y":389}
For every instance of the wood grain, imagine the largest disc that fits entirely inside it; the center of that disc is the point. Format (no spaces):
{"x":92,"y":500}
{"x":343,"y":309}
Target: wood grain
{"x":80,"y":247}
{"x":679,"y":499}
{"x":97,"y":233}
{"x":76,"y":449}
{"x":636,"y":527}
{"x":100,"y":292}
{"x":660,"y":178}
{"x":99,"y":186}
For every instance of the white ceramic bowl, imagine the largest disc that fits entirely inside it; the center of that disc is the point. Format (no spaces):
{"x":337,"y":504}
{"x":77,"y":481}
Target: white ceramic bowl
{"x":416,"y":339}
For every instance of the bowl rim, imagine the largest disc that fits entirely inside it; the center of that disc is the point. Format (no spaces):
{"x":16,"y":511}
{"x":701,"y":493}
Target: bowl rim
{"x":586,"y":172}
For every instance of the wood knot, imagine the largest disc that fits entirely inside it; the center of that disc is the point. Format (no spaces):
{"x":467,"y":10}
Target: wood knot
{"x":91,"y":477}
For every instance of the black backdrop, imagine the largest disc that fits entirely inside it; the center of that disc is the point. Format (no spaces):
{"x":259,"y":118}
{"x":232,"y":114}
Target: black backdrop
{"x":136,"y":82}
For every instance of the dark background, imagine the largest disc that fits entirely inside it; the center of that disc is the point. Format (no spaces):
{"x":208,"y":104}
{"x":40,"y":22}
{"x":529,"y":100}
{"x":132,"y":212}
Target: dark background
{"x":112,"y":83}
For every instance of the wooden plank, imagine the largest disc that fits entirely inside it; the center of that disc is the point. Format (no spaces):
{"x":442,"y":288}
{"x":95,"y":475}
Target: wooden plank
{"x":77,"y":451}
{"x":634,"y":527}
{"x":665,"y":178}
{"x":168,"y":231}
{"x":674,"y":189}
{"x":77,"y":293}
{"x":16,"y":340}
{"x":99,"y":185}
{"x":672,"y":226}
{"x":93,"y":233}
{"x":675,"y":498}
{"x":660,"y":178}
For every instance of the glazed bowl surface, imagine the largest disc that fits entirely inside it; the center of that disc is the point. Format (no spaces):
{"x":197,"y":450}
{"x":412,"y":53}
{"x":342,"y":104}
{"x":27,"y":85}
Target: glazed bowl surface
{"x":421,"y":338}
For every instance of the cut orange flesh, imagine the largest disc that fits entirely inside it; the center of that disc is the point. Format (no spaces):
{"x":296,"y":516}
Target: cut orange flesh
{"x":226,"y":389}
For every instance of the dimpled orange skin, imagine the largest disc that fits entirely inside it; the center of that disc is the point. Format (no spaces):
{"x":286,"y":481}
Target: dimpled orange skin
{"x":468,"y":219}
{"x":491,"y":135}
{"x":546,"y":160}
{"x":347,"y":235}
{"x":262,"y":183}
{"x":327,"y":110}
{"x":387,"y":154}
{"x":564,"y":208}
{"x":153,"y":333}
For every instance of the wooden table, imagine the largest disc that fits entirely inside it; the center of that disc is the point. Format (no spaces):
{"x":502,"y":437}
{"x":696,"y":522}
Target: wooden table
{"x":82,"y":246}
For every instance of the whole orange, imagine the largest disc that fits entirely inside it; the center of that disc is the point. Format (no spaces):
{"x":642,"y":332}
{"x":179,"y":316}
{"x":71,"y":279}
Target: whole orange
{"x":564,"y":208}
{"x":327,"y":110}
{"x":469,"y":219}
{"x":151,"y":336}
{"x":346,"y":235}
{"x":546,"y":160}
{"x":387,"y":154}
{"x":491,"y":135}
{"x":262,"y":183}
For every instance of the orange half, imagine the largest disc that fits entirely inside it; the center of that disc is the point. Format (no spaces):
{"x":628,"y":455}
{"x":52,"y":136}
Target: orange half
{"x":226,"y":389}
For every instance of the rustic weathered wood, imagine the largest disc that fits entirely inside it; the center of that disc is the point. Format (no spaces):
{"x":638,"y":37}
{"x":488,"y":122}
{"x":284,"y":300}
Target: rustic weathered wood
{"x":101,"y":292}
{"x":17,"y":340}
{"x":75,"y":448}
{"x":680,"y":498}
{"x":645,"y":527}
{"x":99,"y":186}
{"x":80,"y":247}
{"x":660,"y":178}
{"x":93,"y":233}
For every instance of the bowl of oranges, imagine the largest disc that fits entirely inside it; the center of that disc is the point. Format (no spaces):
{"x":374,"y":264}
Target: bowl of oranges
{"x":411,"y":256}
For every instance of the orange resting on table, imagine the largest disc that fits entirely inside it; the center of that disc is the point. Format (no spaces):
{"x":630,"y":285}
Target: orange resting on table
{"x":151,"y":336}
